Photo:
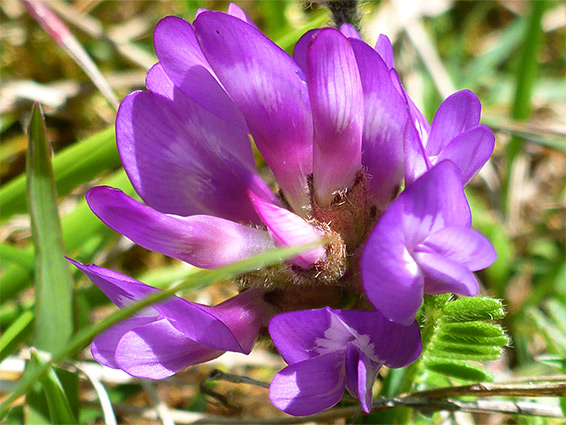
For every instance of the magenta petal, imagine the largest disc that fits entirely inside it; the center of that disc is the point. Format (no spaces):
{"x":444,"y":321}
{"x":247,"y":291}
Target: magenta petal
{"x":200,"y":240}
{"x":288,"y":229}
{"x":385,"y":115}
{"x":122,"y":290}
{"x":103,"y":347}
{"x":156,"y":351}
{"x":458,"y":113}
{"x":381,"y":340}
{"x":158,"y":82}
{"x":182,"y":59}
{"x":385,"y":50}
{"x":444,"y":275}
{"x":416,"y":161}
{"x":300,"y":49}
{"x":391,"y":277}
{"x":336,"y":96}
{"x":310,"y":386}
{"x":183,"y":160}
{"x":235,"y":323}
{"x":269,"y":88}
{"x":295,"y":333}
{"x":436,"y":200}
{"x":235,"y":10}
{"x":367,"y":372}
{"x":470,"y":151}
{"x":464,"y":245}
{"x":352,"y":359}
{"x":350,"y":32}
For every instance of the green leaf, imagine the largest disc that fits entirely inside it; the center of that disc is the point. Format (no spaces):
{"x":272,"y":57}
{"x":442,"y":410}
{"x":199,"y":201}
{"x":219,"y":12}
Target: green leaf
{"x":53,"y":283}
{"x":465,"y":351}
{"x":459,"y":369}
{"x":473,"y":309}
{"x":59,"y":407}
{"x":12,"y":255}
{"x":197,"y":280}
{"x":480,"y":333}
{"x":76,"y":165}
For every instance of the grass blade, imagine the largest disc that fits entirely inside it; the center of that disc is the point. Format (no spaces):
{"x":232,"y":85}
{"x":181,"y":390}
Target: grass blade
{"x":54,"y":285}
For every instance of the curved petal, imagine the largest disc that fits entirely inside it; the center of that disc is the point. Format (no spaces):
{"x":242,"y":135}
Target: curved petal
{"x":458,"y":113}
{"x":460,"y":244}
{"x":351,"y":361}
{"x":182,"y":59}
{"x":269,"y":89}
{"x":366,"y":375}
{"x":235,"y":10}
{"x":436,"y":200}
{"x":416,"y":161}
{"x":382,"y":341}
{"x":310,"y":386}
{"x":210,"y":326}
{"x":122,"y":290}
{"x":156,"y":350}
{"x":295,"y":333}
{"x":336,"y":97}
{"x":183,"y":160}
{"x":300,"y":49}
{"x":385,"y":50}
{"x":201,"y":240}
{"x":288,"y":229}
{"x":350,"y":32}
{"x":103,"y":347}
{"x":470,"y":151}
{"x":243,"y":316}
{"x":392,"y":280}
{"x":158,"y":82}
{"x":444,"y":275}
{"x":385,"y":115}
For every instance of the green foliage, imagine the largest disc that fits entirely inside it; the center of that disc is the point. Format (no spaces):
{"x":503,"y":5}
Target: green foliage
{"x":465,"y":336}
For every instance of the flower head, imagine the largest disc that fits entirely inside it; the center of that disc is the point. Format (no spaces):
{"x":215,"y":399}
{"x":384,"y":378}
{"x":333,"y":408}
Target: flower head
{"x":339,"y":134}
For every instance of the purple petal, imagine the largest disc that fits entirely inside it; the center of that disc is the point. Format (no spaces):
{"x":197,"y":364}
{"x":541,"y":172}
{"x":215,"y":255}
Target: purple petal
{"x":310,"y":386}
{"x":103,"y":347}
{"x":182,"y":59}
{"x":336,"y":96}
{"x":156,"y":350}
{"x":391,"y":277}
{"x":235,"y":10}
{"x":300,"y":50}
{"x":470,"y":151}
{"x":416,"y":161}
{"x":382,"y":341}
{"x":350,"y":32}
{"x":269,"y":89}
{"x":443,"y":275}
{"x":158,"y":82}
{"x":122,"y":290}
{"x":233,"y":325}
{"x":295,"y":333}
{"x":288,"y":229}
{"x":360,"y":376}
{"x":385,"y":50}
{"x":434,"y":201}
{"x":458,"y":113}
{"x":182,"y":160}
{"x":385,"y":115}
{"x":200,"y":240}
{"x":464,"y":245}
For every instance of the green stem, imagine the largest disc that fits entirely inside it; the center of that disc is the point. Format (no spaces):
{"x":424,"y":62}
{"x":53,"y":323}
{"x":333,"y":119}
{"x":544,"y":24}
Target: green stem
{"x":432,"y":314}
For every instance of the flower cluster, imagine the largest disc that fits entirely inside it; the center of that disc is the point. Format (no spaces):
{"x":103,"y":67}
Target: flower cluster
{"x":340,"y":136}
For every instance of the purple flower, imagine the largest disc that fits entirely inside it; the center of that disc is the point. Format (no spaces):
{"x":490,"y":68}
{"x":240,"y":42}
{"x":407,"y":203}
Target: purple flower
{"x":331,"y":350}
{"x":165,"y":338}
{"x":455,"y":135}
{"x":423,"y":244}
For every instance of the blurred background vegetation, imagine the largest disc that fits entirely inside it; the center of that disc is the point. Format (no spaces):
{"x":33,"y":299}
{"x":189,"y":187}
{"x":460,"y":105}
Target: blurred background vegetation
{"x":510,"y":53}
